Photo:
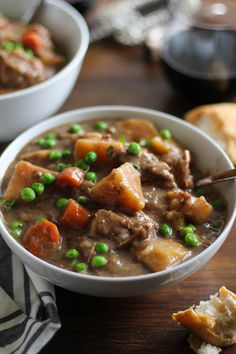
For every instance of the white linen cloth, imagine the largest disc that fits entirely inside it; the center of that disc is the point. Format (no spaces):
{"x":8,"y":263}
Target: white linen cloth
{"x":28,"y":313}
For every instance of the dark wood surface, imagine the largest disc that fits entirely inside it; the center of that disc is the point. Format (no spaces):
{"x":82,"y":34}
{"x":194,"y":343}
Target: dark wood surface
{"x":140,"y":325}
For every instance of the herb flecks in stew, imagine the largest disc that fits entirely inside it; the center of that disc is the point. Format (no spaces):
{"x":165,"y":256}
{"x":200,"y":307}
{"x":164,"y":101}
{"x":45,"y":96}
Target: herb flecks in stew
{"x":27,"y":55}
{"x":111,"y":198}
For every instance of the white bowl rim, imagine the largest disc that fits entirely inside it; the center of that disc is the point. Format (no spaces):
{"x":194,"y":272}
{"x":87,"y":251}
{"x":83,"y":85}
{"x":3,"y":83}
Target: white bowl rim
{"x":32,"y":132}
{"x":69,"y":66}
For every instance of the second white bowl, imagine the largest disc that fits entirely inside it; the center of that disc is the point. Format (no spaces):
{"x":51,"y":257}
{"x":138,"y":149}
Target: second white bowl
{"x":23,"y":108}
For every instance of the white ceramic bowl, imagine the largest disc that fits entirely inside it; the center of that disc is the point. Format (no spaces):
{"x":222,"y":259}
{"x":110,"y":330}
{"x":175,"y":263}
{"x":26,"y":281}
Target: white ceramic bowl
{"x":23,"y":108}
{"x":209,"y":157}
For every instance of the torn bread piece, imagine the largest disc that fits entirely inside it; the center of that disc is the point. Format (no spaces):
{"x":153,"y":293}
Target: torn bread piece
{"x":213,"y":321}
{"x":218,"y":121}
{"x":200,"y":347}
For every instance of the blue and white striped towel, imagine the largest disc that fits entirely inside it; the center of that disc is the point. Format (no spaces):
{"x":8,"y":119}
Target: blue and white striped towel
{"x":28,"y":313}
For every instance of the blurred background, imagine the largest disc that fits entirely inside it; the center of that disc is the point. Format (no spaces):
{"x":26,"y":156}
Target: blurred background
{"x":193,"y":40}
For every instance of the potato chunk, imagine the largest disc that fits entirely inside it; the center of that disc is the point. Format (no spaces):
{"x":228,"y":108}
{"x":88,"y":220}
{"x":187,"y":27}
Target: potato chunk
{"x":160,"y":254}
{"x":121,"y":187}
{"x":136,"y":129}
{"x":196,"y":209}
{"x":105,"y":149}
{"x":159,"y":145}
{"x":24,"y":175}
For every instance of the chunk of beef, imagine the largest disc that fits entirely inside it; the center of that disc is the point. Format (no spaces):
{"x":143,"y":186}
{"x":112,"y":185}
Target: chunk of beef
{"x":11,"y":31}
{"x":122,"y":228}
{"x":179,"y":162}
{"x":45,"y":51}
{"x":196,"y":209}
{"x":84,"y":189}
{"x":19,"y":70}
{"x":151,"y":168}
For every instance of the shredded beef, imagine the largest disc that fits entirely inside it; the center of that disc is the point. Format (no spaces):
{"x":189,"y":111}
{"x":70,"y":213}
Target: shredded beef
{"x":179,"y":165}
{"x":19,"y":70}
{"x":122,"y":228}
{"x":151,"y":169}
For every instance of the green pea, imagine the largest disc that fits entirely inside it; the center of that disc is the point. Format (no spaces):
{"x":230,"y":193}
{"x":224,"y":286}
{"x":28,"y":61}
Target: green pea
{"x":80,"y":267}
{"x":62,"y":202}
{"x":40,"y":218}
{"x":100,"y":125}
{"x":91,"y":157}
{"x":16,"y":233}
{"x":66,"y":153}
{"x":51,"y":136}
{"x":83,"y":200}
{"x":1,"y":14}
{"x":98,"y":261}
{"x":165,"y":230}
{"x":165,"y":134}
{"x":186,"y":230}
{"x":62,"y":166}
{"x":90,"y":176}
{"x":40,"y":141}
{"x":101,"y":247}
{"x":216,"y":224}
{"x":18,"y":46}
{"x":82,"y":164}
{"x":191,"y":240}
{"x":29,"y":52}
{"x":47,"y":178}
{"x":38,"y":188}
{"x":122,"y":138}
{"x":8,"y":46}
{"x":28,"y":194}
{"x":55,"y":155}
{"x":218,"y":204}
{"x":134,"y":148}
{"x":75,"y":128}
{"x":16,"y":224}
{"x":46,"y":143}
{"x":72,"y":253}
{"x":192,"y":227}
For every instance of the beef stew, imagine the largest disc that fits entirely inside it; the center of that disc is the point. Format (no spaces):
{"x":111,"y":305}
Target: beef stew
{"x":27,"y":55}
{"x":110,"y":198}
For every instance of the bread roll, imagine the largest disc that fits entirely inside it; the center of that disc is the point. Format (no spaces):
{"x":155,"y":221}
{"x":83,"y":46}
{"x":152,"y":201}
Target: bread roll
{"x":212,"y":321}
{"x":200,"y":347}
{"x":219,"y":121}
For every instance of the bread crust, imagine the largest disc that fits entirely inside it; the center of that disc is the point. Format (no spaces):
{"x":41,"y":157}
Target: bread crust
{"x":224,"y":117}
{"x":204,"y":325}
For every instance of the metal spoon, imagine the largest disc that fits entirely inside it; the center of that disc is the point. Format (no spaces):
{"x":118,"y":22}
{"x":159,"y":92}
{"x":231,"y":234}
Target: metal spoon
{"x":31,"y":11}
{"x":217,"y":178}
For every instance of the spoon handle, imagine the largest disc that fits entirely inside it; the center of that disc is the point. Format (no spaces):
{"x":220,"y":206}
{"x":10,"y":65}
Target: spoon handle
{"x":32,"y":10}
{"x":218,"y":177}
{"x":225,"y":174}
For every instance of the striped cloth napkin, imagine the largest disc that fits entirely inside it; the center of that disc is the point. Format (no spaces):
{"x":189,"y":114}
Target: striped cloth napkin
{"x":28,"y":313}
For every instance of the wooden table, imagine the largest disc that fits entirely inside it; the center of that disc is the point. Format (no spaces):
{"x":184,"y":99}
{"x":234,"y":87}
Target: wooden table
{"x":142,"y":325}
